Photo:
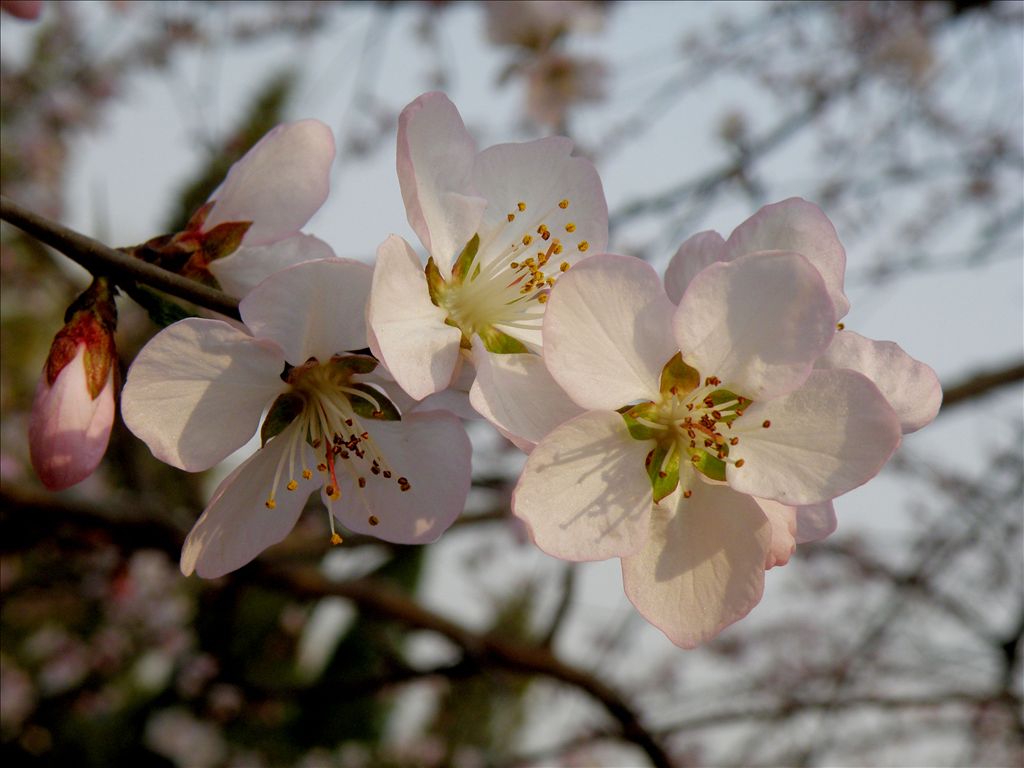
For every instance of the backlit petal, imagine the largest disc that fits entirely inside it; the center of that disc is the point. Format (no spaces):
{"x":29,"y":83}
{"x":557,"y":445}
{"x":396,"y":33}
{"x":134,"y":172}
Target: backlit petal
{"x":584,"y":493}
{"x":814,"y":522}
{"x":801,"y":227}
{"x":826,"y":438}
{"x":783,"y":522}
{"x":249,"y":266}
{"x":316,"y":309}
{"x":279,"y":184}
{"x":699,"y":251}
{"x":910,"y":386}
{"x":196,"y":391}
{"x":607,"y":332}
{"x":757,"y":323}
{"x":409,"y":333}
{"x":703,"y":565}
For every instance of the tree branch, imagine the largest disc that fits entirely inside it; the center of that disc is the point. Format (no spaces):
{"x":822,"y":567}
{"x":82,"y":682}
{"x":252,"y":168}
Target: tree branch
{"x":981,"y":384}
{"x":104,"y":260}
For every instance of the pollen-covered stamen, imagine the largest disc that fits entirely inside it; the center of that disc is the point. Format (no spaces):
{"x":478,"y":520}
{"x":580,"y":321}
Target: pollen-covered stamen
{"x":507,"y":272}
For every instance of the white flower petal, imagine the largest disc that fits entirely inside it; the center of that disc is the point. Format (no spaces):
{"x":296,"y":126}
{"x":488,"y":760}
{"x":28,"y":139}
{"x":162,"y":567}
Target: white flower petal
{"x":703,"y":565}
{"x":815,"y":522}
{"x":249,"y":266}
{"x":824,"y":439}
{"x":69,"y":430}
{"x":518,"y":396}
{"x":432,"y":451}
{"x":757,"y":323}
{"x":409,"y":333}
{"x":541,"y":175}
{"x":607,"y":332}
{"x":783,"y":521}
{"x":910,"y":386}
{"x":279,"y":184}
{"x":237,"y":525}
{"x":435,"y":162}
{"x":699,"y":251}
{"x":196,"y":391}
{"x":584,"y":493}
{"x":801,"y":227}
{"x":315,"y":309}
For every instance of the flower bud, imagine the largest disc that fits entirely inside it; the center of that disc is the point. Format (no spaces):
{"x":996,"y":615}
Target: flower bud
{"x":73,"y":409}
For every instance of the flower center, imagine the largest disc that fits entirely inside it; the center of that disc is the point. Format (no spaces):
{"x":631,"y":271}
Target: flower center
{"x":326,"y":409}
{"x":690,"y":425}
{"x":504,"y":275}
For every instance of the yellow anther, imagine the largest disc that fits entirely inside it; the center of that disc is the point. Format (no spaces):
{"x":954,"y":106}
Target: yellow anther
{"x":270,"y":503}
{"x":511,"y":217}
{"x":583,"y":245}
{"x":570,"y":227}
{"x":840,"y":326}
{"x":556,"y":248}
{"x":521,"y":206}
{"x":514,"y":265}
{"x":542,"y":298}
{"x":336,"y":538}
{"x":306,"y":474}
{"x":563,"y":204}
{"x":542,"y":229}
{"x":563,"y":267}
{"x":292,"y":485}
{"x":527,"y":239}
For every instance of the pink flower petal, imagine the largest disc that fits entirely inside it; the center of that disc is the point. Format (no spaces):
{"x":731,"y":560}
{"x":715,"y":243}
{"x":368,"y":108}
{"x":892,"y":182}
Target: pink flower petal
{"x":757,"y":323}
{"x":518,"y":396}
{"x":584,"y":493}
{"x":542,"y":175}
{"x":69,"y":430}
{"x":801,"y":227}
{"x":703,"y":565}
{"x":697,"y":252}
{"x":279,"y":184}
{"x":409,"y":333}
{"x":432,"y":451}
{"x":826,"y":438}
{"x":196,"y":391}
{"x":237,"y":525}
{"x":607,"y":332}
{"x":814,"y":522}
{"x":435,"y":162}
{"x":249,"y":266}
{"x":784,"y":526}
{"x":316,"y":309}
{"x":910,"y":386}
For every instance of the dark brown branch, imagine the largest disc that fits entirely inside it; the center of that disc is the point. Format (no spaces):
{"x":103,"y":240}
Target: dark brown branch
{"x":100,"y":259}
{"x":384,"y":601}
{"x":981,"y":384}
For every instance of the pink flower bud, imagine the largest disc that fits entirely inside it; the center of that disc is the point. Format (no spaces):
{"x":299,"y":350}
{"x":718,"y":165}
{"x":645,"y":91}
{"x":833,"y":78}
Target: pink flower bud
{"x":22,"y":9}
{"x":73,"y":409}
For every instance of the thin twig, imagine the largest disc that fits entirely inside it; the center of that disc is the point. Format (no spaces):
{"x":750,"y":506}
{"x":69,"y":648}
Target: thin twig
{"x":101,"y":259}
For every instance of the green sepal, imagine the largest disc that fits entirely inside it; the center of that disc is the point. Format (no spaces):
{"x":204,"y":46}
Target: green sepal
{"x":353,"y":364}
{"x":435,"y":282}
{"x":679,"y":378}
{"x":664,"y":479}
{"x":720,"y":396}
{"x":364,"y":408}
{"x":710,"y":466}
{"x":460,"y":269}
{"x":501,"y":343}
{"x":637,"y":430}
{"x":284,"y":411}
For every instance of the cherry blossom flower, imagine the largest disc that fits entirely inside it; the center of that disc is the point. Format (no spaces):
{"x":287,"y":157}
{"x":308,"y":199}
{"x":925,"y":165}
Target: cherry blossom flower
{"x":73,"y":408}
{"x":536,"y":24}
{"x":196,"y":393}
{"x":499,"y":226}
{"x":710,"y":444}
{"x":250,"y":226}
{"x":29,"y":10}
{"x":911,"y":387}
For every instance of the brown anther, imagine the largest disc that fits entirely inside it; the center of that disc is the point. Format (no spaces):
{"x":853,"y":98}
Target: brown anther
{"x":662,"y":475}
{"x":766,"y":423}
{"x":375,"y":470}
{"x":306,"y":474}
{"x":840,"y":326}
{"x":545,"y":235}
{"x":330,"y":490}
{"x":514,"y":265}
{"x":387,"y":473}
{"x":373,"y":520}
{"x":687,"y":494}
{"x":740,"y":463}
{"x":695,"y":458}
{"x":403,"y":480}
{"x":716,"y":415}
{"x":321,"y":467}
{"x":348,"y":422}
{"x":563,"y":204}
{"x":708,"y":443}
{"x":362,"y":482}
{"x":270,"y":503}
{"x":376,"y":414}
{"x":734,"y":441}
{"x":511,"y":217}
{"x":739,"y":413}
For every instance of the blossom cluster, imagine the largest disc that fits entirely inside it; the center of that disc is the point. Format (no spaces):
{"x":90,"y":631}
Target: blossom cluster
{"x":697,"y":425}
